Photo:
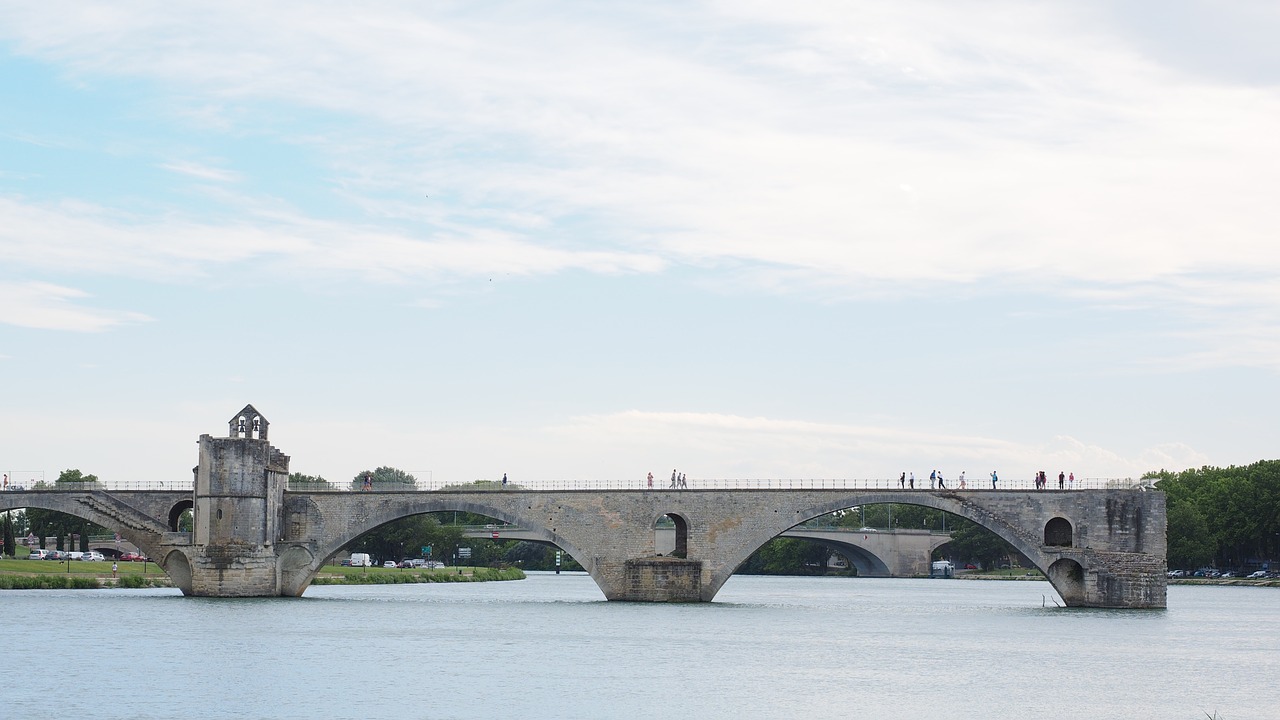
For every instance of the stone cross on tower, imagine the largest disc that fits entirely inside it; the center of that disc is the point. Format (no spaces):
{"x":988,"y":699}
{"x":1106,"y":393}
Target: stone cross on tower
{"x":249,"y":423}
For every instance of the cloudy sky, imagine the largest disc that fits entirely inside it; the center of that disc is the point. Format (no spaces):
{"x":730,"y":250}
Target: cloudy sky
{"x":581,"y":241}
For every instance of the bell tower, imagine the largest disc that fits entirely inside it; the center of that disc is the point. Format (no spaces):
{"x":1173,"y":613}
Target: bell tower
{"x":239,"y":493}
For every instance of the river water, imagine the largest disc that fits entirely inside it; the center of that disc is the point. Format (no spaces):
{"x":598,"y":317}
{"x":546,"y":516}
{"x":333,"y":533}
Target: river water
{"x":552,"y":647}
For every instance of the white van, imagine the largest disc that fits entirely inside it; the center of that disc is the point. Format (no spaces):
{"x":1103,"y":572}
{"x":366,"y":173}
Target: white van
{"x":361,"y":560}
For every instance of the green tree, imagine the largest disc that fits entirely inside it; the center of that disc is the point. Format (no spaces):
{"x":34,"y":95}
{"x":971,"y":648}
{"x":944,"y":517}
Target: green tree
{"x":50,"y":523}
{"x":311,"y":483}
{"x":787,"y":556}
{"x":1240,"y":506}
{"x":72,"y":476}
{"x":970,"y":542}
{"x":1191,"y":545}
{"x":10,"y":546}
{"x":20,"y":524}
{"x":537,"y":556}
{"x":385,"y":478}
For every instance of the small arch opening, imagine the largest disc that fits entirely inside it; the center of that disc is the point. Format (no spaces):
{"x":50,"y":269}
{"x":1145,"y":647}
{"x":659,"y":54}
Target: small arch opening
{"x":1067,"y":577}
{"x":176,"y":520}
{"x":671,"y":536}
{"x":1057,"y":533}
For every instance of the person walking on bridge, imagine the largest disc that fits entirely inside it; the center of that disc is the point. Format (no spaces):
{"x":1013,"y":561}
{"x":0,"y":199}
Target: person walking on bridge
{"x":912,"y":480}
{"x":902,"y":481}
{"x":673,"y":479}
{"x":942,"y":485}
{"x":933,"y":478}
{"x":993,"y":479}
{"x":650,"y":479}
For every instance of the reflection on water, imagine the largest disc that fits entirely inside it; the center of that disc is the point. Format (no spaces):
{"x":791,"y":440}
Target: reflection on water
{"x":551,"y":647}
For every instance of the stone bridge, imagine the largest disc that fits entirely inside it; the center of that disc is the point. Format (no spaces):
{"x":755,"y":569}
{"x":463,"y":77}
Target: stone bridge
{"x":253,"y":537}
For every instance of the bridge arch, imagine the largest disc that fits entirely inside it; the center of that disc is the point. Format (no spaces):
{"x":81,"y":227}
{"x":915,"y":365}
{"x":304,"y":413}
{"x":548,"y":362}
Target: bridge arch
{"x":175,"y":513}
{"x":146,"y":535}
{"x":954,"y":502}
{"x":680,"y":548}
{"x":297,"y":578}
{"x":1067,"y":577}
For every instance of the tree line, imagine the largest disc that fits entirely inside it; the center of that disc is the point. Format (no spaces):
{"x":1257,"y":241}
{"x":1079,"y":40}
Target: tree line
{"x":1223,"y":517}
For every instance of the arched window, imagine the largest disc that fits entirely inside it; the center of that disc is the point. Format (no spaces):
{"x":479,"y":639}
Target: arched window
{"x":671,"y":536}
{"x":1057,"y":533}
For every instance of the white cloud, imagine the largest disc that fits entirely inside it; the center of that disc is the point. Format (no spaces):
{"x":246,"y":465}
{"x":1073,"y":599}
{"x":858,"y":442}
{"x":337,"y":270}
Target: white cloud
{"x":727,"y":446}
{"x":1042,"y":147}
{"x":53,"y":307}
{"x":203,"y":172}
{"x":76,"y":237}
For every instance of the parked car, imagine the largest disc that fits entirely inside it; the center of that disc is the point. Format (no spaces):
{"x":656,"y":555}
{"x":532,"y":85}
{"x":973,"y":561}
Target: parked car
{"x":93,"y":556}
{"x":38,"y":554}
{"x":54,"y":555}
{"x":389,"y":564}
{"x":73,"y":555}
{"x":1258,"y":574}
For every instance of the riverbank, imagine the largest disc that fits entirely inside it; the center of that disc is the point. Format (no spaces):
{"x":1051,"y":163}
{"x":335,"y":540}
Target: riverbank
{"x":338,"y":575}
{"x":81,"y":575}
{"x":78,"y":574}
{"x":1001,"y":575}
{"x":1036,"y":575}
{"x":1246,"y":582}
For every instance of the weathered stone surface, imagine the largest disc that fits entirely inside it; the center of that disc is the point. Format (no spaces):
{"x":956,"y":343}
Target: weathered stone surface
{"x":662,"y":579}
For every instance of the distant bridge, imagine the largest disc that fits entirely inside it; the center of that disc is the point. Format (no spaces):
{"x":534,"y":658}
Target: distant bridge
{"x":872,"y":552}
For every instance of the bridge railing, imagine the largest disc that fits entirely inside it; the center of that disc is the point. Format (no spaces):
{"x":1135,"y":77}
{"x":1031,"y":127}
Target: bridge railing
{"x":116,"y":485}
{"x":796,"y":484}
{"x":976,"y":484}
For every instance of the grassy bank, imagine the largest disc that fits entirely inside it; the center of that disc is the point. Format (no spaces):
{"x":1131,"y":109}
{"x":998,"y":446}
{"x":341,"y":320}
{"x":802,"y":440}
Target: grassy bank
{"x":337,"y":575}
{"x":54,"y":581}
{"x":77,"y":568}
{"x":76,"y":574}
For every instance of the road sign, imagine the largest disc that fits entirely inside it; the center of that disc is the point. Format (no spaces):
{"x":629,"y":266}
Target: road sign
{"x":495,"y":534}
{"x":464,"y":552}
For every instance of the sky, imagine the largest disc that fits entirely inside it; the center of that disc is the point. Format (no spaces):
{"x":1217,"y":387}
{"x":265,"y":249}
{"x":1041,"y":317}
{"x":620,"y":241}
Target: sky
{"x":798,"y":239}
